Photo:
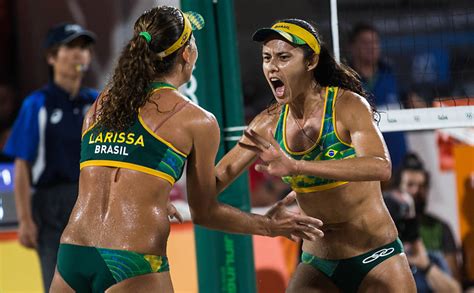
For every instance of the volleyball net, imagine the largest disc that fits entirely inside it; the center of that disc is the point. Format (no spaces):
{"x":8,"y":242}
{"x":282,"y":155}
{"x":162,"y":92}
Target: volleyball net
{"x":429,"y":48}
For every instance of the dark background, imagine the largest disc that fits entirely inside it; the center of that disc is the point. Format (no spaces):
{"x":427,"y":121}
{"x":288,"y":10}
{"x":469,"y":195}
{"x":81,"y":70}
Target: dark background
{"x":428,"y":42}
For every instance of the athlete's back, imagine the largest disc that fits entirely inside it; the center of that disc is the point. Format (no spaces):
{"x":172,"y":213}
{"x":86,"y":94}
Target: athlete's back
{"x":118,"y":204}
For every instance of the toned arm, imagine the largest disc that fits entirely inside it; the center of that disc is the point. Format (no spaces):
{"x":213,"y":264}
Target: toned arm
{"x":372,"y":162}
{"x":238,"y":159}
{"x":207,"y":211}
{"x":202,"y":187}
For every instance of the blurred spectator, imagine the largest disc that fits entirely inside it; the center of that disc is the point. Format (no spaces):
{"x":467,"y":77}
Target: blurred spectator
{"x":430,"y":267}
{"x":8,"y":110}
{"x":413,"y":179}
{"x":378,"y":80}
{"x":412,"y":99}
{"x":376,"y":75}
{"x":45,"y":142}
{"x":468,"y":238}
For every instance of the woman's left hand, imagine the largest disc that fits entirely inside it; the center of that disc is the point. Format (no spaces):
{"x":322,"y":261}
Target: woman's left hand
{"x":276,"y":161}
{"x":292,"y":225}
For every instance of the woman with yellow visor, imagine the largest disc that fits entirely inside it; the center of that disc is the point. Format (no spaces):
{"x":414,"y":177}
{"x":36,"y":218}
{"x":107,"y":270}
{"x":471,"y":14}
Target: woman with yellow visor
{"x":136,"y":140}
{"x":320,"y":137}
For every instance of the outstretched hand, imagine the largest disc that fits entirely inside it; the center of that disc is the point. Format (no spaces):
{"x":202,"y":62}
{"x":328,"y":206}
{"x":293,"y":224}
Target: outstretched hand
{"x":290,"y":224}
{"x":275,"y":161}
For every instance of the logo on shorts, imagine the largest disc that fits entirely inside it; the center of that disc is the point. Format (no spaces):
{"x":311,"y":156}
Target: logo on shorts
{"x":381,"y":253}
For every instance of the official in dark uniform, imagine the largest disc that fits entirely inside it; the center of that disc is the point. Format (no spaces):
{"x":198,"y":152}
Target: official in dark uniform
{"x":45,"y":142}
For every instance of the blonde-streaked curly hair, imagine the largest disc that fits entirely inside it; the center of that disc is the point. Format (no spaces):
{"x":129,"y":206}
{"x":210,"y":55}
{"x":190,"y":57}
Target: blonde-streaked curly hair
{"x":138,"y":65}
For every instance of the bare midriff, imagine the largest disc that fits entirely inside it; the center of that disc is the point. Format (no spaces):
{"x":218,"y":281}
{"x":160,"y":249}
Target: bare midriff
{"x":355,"y":220}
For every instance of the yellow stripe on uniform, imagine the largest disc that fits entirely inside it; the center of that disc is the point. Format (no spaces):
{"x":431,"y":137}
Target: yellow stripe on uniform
{"x":88,"y":129}
{"x":334,"y":119}
{"x":318,"y":188}
{"x":107,"y":163}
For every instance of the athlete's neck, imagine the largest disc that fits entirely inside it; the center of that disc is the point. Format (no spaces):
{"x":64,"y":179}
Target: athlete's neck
{"x":175,"y":78}
{"x":68,"y":83}
{"x":304,"y":104}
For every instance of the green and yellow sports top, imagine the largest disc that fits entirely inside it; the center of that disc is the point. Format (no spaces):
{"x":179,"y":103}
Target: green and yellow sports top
{"x":137,"y":148}
{"x":329,"y":146}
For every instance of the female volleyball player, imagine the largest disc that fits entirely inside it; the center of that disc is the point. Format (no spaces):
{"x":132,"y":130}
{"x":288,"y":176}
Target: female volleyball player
{"x":136,"y":140}
{"x":324,"y":143}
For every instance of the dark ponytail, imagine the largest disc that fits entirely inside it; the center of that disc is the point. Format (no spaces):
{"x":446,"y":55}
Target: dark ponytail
{"x":139,"y":65}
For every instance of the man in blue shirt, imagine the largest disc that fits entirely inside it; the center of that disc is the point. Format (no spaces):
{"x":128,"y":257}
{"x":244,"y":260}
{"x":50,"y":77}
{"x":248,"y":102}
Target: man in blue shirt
{"x":45,"y":142}
{"x":378,"y":80}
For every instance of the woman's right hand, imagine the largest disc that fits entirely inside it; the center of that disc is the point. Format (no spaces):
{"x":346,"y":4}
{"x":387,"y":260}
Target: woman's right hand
{"x":291,"y":225}
{"x":275,"y":161}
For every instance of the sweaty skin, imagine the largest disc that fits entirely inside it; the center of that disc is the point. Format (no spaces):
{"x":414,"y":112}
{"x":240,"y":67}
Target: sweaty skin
{"x":122,"y":209}
{"x":354,"y":215}
{"x":112,"y":210}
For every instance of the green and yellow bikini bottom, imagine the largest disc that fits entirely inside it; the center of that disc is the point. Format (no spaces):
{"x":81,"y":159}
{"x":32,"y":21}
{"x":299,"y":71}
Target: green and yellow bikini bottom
{"x":92,"y":269}
{"x":348,"y":273}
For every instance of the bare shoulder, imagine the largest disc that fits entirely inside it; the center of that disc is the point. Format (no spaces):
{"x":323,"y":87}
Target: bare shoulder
{"x":92,"y":114}
{"x":190,"y":116}
{"x":199,"y":121}
{"x":265,"y":120}
{"x":90,"y":117}
{"x":198,"y":116}
{"x":203,"y":128}
{"x":348,"y":99}
{"x":350,"y":104}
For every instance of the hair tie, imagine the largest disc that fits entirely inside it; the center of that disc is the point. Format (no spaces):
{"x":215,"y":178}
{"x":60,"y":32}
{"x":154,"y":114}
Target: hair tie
{"x":146,"y":36}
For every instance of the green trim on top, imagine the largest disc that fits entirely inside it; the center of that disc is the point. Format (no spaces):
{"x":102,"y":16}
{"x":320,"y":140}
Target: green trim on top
{"x":328,"y":146}
{"x":159,"y":84}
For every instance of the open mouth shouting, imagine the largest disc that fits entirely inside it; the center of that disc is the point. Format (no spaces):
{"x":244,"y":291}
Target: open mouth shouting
{"x":278,"y":86}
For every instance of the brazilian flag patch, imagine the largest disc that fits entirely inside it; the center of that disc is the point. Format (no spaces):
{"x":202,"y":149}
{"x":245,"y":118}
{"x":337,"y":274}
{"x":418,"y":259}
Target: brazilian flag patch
{"x":331,"y":153}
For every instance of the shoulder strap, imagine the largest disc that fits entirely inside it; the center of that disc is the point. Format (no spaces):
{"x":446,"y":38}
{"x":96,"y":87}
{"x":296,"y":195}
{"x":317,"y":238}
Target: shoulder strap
{"x":331,"y":91}
{"x":278,"y":134}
